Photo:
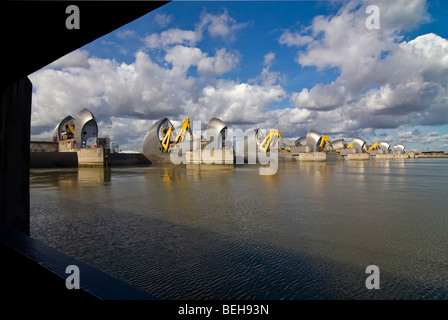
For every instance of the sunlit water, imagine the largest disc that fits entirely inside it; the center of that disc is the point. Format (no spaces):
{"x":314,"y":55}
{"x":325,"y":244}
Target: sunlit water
{"x":308,"y":232}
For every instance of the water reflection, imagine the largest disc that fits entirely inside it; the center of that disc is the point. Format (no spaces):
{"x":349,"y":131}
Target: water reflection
{"x":223,"y":233}
{"x":93,"y":176}
{"x":70,"y":178}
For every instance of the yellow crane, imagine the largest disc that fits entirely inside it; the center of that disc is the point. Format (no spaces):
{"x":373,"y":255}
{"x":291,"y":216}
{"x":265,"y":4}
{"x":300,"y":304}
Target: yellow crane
{"x":69,"y":131}
{"x":373,"y":147}
{"x":323,"y":142}
{"x":286,"y":144}
{"x":186,"y":127}
{"x":166,"y":139}
{"x":183,"y":131}
{"x":70,"y":127}
{"x":265,"y":145}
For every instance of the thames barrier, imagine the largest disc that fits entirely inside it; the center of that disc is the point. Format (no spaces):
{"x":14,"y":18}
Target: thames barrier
{"x":75,"y":142}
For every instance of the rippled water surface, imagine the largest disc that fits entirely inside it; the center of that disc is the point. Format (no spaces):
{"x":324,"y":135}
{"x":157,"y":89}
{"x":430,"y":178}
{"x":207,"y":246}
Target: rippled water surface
{"x":307,"y":232}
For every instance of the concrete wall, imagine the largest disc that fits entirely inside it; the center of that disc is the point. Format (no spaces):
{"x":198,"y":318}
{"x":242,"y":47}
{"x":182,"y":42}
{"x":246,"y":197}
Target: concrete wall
{"x":92,"y":157}
{"x":383,"y":156}
{"x":53,"y":159}
{"x":312,"y":156}
{"x":358,"y":156}
{"x":301,"y":149}
{"x":66,"y":145}
{"x":211,"y":157}
{"x":391,"y":156}
{"x":345,"y":152}
{"x":70,"y":159}
{"x":128,"y":159}
{"x":15,"y":121}
{"x":319,"y":156}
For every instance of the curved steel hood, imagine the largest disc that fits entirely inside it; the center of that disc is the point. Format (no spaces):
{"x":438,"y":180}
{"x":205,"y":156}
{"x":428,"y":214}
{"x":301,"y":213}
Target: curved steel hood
{"x":359,"y":144}
{"x":83,"y":118}
{"x":313,"y":139}
{"x":152,"y":143}
{"x":57,"y":132}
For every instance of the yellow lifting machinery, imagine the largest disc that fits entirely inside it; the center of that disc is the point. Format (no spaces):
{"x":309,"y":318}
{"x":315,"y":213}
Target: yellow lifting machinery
{"x":183,"y":131}
{"x":180,"y":136}
{"x":265,"y":145}
{"x":68,"y":132}
{"x":373,"y":147}
{"x":323,"y":142}
{"x":166,"y":139}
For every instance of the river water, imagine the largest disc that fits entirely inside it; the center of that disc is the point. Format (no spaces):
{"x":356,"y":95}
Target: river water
{"x":307,"y":232}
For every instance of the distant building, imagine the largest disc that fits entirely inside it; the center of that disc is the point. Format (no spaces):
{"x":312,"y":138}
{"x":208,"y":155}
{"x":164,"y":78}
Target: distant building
{"x":114,"y":147}
{"x":431,"y":153}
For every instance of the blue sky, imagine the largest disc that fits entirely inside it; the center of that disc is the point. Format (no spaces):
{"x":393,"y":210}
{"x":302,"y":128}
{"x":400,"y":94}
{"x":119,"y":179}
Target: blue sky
{"x":291,"y":65}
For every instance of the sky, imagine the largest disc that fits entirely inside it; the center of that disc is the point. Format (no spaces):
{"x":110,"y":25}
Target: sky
{"x":290,"y":65}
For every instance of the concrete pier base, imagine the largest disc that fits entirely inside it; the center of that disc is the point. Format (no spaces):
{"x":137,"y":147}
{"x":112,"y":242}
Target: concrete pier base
{"x":95,"y":157}
{"x":285,"y":157}
{"x":384,"y":156}
{"x":215,"y":157}
{"x":358,"y":156}
{"x":391,"y":156}
{"x":318,"y":156}
{"x":312,"y":156}
{"x":401,"y":156}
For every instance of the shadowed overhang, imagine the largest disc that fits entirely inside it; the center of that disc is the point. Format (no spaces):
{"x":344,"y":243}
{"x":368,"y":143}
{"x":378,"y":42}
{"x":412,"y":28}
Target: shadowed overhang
{"x":34,"y":32}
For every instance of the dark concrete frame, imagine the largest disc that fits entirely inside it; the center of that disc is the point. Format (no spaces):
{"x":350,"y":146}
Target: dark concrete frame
{"x":33,"y":35}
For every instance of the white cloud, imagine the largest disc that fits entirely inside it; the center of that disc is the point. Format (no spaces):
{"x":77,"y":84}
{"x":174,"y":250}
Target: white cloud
{"x":142,"y":89}
{"x":163,"y":20}
{"x":237,"y":103}
{"x":294,"y":39}
{"x":384,"y":82}
{"x":182,"y":58}
{"x":221,"y":25}
{"x":172,"y":37}
{"x":290,"y":121}
{"x":125,"y":33}
{"x":75,"y":59}
{"x":424,"y":140}
{"x":268,"y":77}
{"x":117,"y":127}
{"x":403,"y":15}
{"x":118,"y":93}
{"x":269,"y":58}
{"x":223,"y":62}
{"x":320,"y":97}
